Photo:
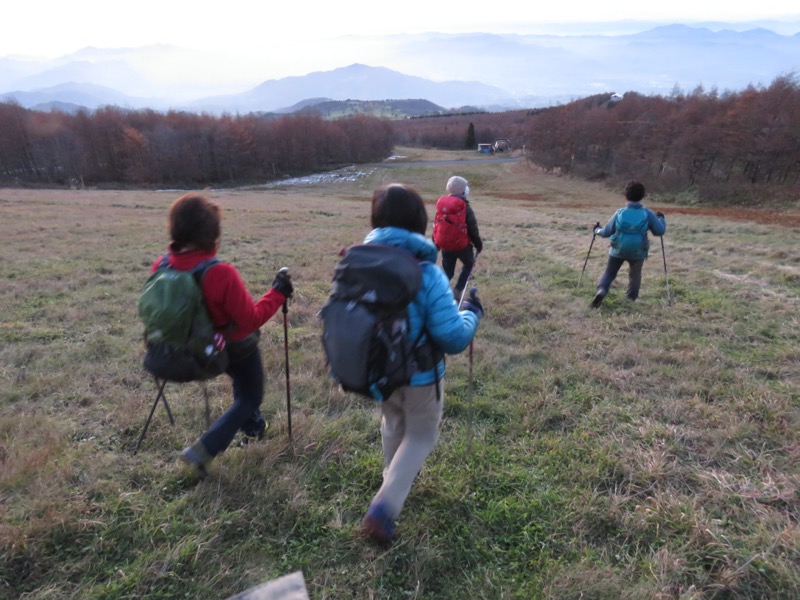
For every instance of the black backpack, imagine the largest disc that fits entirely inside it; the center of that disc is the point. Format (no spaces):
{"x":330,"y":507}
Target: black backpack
{"x":180,"y":341}
{"x":365,"y":321}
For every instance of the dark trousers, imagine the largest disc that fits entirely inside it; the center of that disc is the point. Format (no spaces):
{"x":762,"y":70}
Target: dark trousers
{"x":634,"y":276}
{"x":247,"y":375}
{"x":449,"y":260}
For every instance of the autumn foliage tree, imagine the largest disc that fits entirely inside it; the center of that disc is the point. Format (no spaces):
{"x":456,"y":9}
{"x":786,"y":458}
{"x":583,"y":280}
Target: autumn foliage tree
{"x":732,"y":147}
{"x":121,"y":147}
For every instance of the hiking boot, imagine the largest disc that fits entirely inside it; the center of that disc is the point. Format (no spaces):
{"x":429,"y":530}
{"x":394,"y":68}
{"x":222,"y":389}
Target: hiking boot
{"x":197,"y":458}
{"x":377,"y":524}
{"x":598,"y":299}
{"x":251,"y":436}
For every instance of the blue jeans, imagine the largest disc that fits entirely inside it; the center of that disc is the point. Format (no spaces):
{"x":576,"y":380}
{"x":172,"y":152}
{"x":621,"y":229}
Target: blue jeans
{"x":449,"y":259}
{"x":247,"y":375}
{"x":634,"y":276}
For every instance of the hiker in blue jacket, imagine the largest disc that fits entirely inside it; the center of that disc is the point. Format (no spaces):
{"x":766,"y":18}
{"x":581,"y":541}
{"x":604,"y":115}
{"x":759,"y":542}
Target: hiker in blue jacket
{"x":412,"y":414}
{"x":627,"y":231}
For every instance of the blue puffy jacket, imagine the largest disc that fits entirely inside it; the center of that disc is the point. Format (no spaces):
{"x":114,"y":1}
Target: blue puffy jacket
{"x":655,"y":224}
{"x":434,"y":309}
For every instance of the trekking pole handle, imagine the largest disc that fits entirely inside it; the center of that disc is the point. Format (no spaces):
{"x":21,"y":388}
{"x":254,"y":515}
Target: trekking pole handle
{"x":284,"y":271}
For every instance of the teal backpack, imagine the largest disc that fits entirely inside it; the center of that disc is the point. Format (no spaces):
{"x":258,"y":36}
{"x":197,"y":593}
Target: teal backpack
{"x":180,"y":341}
{"x":629,"y":239}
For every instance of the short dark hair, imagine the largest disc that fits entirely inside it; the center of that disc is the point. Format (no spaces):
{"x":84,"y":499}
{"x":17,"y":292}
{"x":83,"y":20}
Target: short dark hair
{"x":399,"y":205}
{"x":634,"y":191}
{"x":194,"y":220}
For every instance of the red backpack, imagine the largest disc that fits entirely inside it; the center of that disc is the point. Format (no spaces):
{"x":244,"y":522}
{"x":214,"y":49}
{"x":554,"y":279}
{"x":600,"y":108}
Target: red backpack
{"x":450,"y":223}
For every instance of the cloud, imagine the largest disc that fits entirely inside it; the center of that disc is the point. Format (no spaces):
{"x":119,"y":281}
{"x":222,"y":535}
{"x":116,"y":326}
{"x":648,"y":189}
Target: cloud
{"x":53,"y":27}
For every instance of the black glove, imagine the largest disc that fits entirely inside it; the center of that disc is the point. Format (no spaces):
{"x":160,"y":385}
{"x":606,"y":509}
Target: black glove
{"x":660,"y":214}
{"x":283,"y":283}
{"x":473,"y":303}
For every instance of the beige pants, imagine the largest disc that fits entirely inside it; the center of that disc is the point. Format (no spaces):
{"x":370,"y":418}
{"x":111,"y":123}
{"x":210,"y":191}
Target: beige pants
{"x":409,"y":432}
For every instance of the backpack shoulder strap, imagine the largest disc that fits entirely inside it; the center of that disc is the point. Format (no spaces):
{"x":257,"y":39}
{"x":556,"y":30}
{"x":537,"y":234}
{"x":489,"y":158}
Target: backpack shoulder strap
{"x":199,"y":272}
{"x":645,"y":221}
{"x":200,"y":269}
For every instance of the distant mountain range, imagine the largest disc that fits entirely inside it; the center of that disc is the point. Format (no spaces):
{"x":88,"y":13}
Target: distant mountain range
{"x":490,"y":71}
{"x":355,"y":82}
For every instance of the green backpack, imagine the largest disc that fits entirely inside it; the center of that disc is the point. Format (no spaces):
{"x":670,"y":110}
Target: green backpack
{"x":181,"y":344}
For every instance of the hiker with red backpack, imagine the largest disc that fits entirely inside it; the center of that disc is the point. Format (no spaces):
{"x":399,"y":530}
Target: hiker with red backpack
{"x":455,"y":232}
{"x":194,"y":229}
{"x":627,"y":231}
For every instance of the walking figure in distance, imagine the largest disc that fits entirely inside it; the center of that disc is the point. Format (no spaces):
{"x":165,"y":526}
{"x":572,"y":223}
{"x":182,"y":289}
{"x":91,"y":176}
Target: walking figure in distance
{"x":411,"y":416}
{"x":627,"y":231}
{"x":194,"y":228}
{"x":455,"y":232}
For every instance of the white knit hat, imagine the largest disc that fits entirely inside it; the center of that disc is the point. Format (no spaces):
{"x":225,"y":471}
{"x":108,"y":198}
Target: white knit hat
{"x":457,"y":186}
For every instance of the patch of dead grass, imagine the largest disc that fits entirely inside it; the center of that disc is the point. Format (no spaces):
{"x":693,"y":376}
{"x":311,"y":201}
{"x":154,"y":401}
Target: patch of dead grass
{"x":661,"y":441}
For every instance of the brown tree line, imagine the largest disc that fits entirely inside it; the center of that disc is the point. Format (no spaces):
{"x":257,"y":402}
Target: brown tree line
{"x":452,"y":132}
{"x":117,"y":146}
{"x":734,"y":147}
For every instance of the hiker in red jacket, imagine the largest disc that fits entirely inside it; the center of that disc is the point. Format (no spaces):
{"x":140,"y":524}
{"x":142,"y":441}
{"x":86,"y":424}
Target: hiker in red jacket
{"x":455,"y":232}
{"x":194,"y":228}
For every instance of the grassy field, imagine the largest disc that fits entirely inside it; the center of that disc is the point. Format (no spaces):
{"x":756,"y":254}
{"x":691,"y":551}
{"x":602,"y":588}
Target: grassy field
{"x":642,"y":450}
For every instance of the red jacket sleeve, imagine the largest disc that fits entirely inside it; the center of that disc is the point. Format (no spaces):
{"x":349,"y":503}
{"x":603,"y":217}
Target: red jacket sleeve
{"x":230,"y":305}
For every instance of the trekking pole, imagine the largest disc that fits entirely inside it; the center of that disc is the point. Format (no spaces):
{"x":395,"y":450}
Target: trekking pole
{"x":594,"y":235}
{"x":286,"y":360}
{"x":470,"y":395}
{"x":666,"y":277}
{"x":471,"y":347}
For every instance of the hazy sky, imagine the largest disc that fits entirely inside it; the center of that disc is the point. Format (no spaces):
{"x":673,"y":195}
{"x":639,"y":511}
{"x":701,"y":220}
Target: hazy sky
{"x":237,"y":44}
{"x":54,"y":27}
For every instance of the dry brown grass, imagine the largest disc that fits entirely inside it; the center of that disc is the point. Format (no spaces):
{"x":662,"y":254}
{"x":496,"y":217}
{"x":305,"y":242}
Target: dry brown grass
{"x":636,"y":451}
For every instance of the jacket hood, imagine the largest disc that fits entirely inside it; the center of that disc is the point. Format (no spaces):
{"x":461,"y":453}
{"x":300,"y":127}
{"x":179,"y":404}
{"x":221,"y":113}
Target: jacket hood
{"x":418,"y":245}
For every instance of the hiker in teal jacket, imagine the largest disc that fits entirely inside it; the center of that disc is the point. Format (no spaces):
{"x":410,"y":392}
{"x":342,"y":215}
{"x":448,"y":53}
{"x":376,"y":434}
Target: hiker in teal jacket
{"x":627,"y":230}
{"x":412,"y":414}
